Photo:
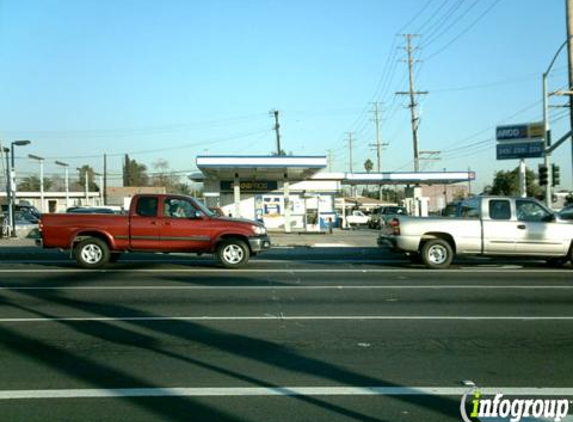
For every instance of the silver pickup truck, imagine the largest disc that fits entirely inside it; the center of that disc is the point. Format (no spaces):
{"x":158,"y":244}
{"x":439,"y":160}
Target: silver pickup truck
{"x":486,"y":225}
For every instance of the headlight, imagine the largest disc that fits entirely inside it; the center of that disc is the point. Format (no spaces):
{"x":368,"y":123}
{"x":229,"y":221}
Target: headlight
{"x":259,"y":230}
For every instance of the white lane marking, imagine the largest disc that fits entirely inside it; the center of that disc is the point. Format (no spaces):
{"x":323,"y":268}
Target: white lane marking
{"x":211,"y":261}
{"x":288,"y":270}
{"x":275,"y":391}
{"x":297,"y":287}
{"x":281,"y":317}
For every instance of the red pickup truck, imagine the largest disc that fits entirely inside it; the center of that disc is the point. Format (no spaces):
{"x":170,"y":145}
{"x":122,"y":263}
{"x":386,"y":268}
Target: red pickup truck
{"x":155,"y":223}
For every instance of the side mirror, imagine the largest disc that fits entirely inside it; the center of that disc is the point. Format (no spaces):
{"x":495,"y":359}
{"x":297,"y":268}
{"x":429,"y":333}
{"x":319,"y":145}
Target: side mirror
{"x":196,"y":215}
{"x":549,"y":218}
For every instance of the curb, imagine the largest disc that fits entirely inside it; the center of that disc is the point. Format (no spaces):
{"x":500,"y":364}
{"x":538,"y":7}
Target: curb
{"x":319,"y":245}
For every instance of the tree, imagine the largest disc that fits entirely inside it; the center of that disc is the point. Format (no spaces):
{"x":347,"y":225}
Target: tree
{"x":182,"y":188}
{"x":393,"y":195}
{"x":32,"y":184}
{"x":134,"y":173}
{"x":163,"y":177}
{"x":507,"y":183}
{"x":368,"y":165}
{"x":93,"y":187}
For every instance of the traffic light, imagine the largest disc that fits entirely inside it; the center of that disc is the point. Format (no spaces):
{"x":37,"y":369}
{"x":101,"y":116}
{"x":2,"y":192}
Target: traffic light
{"x":543,"y":175}
{"x":555,"y":175}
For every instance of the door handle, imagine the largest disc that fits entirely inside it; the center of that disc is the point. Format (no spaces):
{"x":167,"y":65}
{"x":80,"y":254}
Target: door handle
{"x":521,"y":226}
{"x":153,"y":223}
{"x":167,"y":223}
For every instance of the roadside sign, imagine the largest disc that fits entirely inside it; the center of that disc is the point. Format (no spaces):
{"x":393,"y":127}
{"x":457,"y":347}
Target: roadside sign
{"x":511,"y":151}
{"x":520,"y":141}
{"x":521,"y":131}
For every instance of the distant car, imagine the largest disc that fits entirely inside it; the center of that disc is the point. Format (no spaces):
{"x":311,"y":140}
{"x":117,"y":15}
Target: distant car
{"x":380,"y":214}
{"x":217,"y":211}
{"x":22,"y":217}
{"x":25,"y":223}
{"x":356,"y":218}
{"x":26,"y":209}
{"x":566,"y":213}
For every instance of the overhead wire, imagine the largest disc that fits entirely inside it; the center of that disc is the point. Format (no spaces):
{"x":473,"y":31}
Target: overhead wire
{"x":464,"y":31}
{"x":429,"y":36}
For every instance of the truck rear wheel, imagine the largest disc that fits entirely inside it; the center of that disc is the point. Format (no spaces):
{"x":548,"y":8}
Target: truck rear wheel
{"x":233,"y":253}
{"x":92,"y":253}
{"x":437,"y":253}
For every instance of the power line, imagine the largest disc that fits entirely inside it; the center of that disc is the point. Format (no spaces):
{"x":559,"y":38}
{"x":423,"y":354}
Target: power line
{"x":429,"y":36}
{"x":164,"y":149}
{"x":138,"y":131}
{"x":432,"y":16}
{"x":464,"y":31}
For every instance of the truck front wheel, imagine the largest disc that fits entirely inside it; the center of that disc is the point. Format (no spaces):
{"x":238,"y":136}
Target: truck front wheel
{"x":437,"y":253}
{"x":92,"y":253}
{"x":233,"y":253}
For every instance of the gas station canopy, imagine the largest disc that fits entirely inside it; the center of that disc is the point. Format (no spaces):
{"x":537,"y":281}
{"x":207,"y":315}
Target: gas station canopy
{"x":296,"y":168}
{"x":408,"y":178}
{"x":260,"y":167}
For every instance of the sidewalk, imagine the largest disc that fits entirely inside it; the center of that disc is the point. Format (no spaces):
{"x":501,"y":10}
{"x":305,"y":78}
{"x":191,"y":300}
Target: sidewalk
{"x":339,"y":238}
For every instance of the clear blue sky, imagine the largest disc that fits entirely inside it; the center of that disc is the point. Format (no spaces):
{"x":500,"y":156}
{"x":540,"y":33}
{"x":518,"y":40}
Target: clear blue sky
{"x":175,"y":79}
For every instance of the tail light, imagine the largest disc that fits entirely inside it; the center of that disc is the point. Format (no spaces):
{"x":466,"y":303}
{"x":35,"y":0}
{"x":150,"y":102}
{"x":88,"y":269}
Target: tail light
{"x":395,"y":226}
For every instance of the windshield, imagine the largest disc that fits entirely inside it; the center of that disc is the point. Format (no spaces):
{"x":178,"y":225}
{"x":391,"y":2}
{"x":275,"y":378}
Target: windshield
{"x":201,"y":207}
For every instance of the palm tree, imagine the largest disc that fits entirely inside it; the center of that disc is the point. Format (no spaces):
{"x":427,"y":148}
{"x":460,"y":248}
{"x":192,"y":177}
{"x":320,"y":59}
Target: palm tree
{"x":368,"y":165}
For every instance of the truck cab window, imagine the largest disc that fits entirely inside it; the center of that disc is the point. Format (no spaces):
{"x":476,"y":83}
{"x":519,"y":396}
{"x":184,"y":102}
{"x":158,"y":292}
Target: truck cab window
{"x":499,"y":209}
{"x":178,"y":208}
{"x":531,"y":211}
{"x":146,"y":207}
{"x":470,"y":209}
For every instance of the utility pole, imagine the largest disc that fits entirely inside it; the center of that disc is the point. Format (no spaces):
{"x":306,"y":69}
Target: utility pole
{"x":377,"y":120}
{"x":104,"y":179}
{"x":469,"y":183}
{"x":377,"y":110}
{"x":330,"y":160}
{"x":126,"y":175}
{"x":412,"y":93}
{"x":569,"y":5}
{"x":349,"y":140}
{"x":353,"y":188}
{"x":277,"y":127}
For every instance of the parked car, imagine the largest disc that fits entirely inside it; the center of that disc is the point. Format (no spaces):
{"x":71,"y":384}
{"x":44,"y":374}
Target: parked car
{"x":26,"y":209}
{"x":22,"y":217}
{"x":496,"y":226}
{"x":155,"y":223}
{"x":217,"y":211}
{"x":356,"y":218}
{"x":25,"y":223}
{"x":379,"y":215}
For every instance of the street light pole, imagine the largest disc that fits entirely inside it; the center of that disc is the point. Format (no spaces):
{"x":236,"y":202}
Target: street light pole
{"x":65,"y":166}
{"x":8,"y":189}
{"x":41,"y":161}
{"x":547,"y":143}
{"x":13,"y":184}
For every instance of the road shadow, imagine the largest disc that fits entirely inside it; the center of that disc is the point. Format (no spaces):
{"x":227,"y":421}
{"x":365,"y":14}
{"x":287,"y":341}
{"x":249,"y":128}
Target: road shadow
{"x":128,"y":333}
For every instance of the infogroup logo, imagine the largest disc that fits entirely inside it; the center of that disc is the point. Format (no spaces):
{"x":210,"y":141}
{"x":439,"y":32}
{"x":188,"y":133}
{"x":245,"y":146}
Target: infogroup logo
{"x":497,"y":406}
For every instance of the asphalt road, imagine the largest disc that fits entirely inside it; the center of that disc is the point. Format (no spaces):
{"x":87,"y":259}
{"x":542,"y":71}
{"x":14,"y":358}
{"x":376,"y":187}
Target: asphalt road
{"x":298,"y":335}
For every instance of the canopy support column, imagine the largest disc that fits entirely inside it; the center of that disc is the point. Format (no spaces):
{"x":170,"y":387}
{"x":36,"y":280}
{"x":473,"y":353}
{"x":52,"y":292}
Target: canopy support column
{"x":286,"y":194}
{"x":237,"y":192}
